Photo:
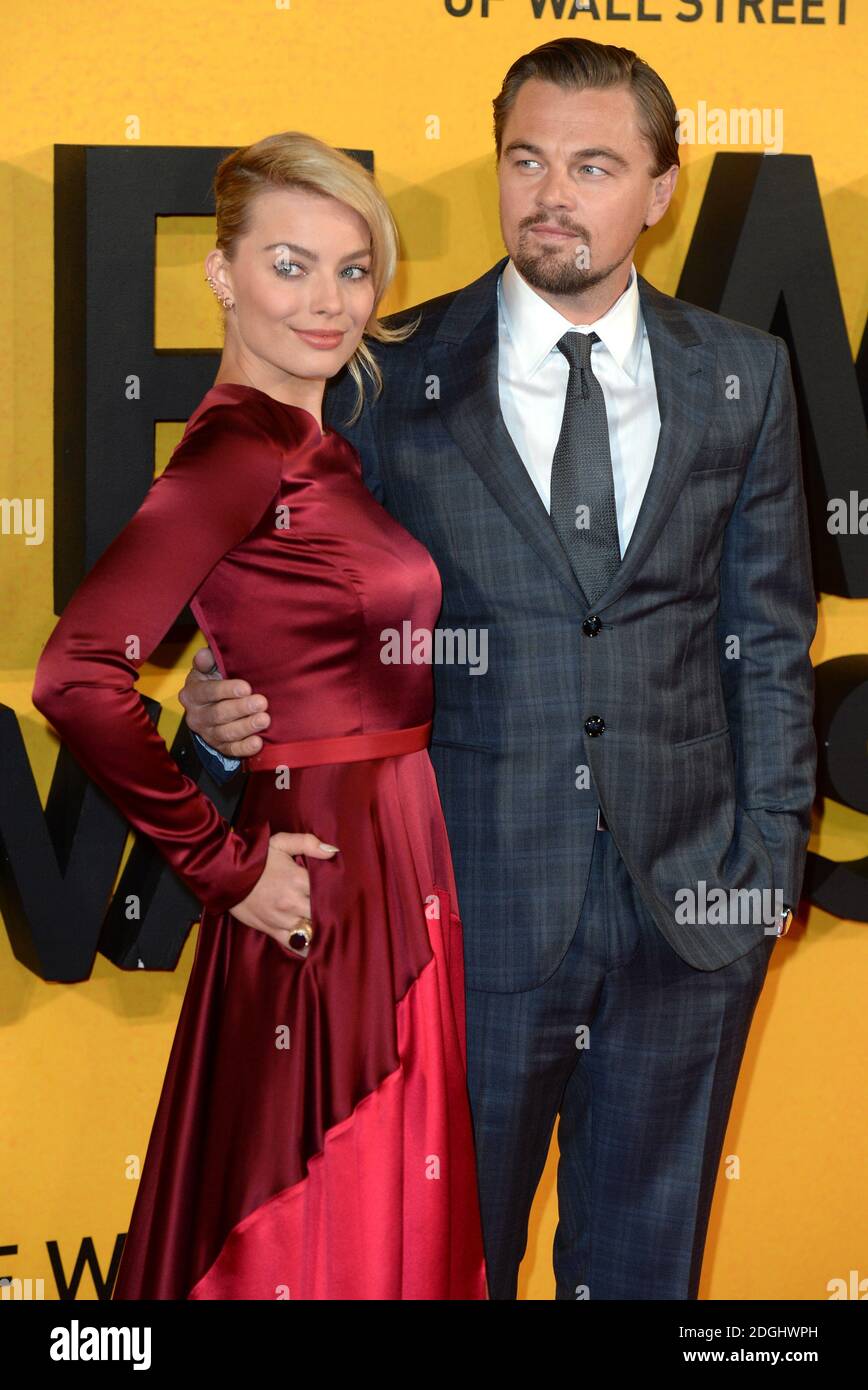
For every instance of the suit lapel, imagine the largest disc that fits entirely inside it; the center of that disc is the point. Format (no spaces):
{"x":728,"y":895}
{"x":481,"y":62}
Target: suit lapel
{"x":463,"y":357}
{"x":683,"y":377}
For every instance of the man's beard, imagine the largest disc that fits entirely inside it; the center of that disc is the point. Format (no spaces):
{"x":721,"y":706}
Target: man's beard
{"x":557,"y":275}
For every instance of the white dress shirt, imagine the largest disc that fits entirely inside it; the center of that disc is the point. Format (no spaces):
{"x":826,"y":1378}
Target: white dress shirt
{"x":532,"y":384}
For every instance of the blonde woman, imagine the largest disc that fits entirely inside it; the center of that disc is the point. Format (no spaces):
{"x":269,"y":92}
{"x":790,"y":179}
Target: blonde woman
{"x":313,"y":1137}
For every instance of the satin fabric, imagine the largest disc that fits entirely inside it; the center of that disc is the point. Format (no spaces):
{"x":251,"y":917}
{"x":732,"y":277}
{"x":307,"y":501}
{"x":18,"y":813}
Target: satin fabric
{"x":313,"y":1135}
{"x":311,"y":752}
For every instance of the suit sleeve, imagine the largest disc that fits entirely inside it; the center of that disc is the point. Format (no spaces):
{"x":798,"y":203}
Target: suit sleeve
{"x":221,"y":768}
{"x":220,"y":482}
{"x":768,"y":601}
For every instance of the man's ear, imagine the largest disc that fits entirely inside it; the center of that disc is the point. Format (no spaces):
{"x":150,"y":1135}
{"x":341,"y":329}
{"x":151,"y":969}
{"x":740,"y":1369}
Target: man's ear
{"x":661,"y":195}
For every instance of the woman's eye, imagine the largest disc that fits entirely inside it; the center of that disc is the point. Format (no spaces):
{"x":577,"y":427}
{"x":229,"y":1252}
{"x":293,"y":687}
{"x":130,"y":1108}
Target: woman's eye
{"x":287,"y":269}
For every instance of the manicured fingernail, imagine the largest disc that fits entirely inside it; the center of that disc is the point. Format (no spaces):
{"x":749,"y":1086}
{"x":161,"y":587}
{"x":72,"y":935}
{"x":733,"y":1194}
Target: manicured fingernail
{"x":330,"y":849}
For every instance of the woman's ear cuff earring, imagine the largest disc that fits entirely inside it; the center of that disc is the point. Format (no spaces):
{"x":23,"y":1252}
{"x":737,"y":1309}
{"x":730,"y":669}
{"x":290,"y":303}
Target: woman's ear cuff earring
{"x":227,"y":303}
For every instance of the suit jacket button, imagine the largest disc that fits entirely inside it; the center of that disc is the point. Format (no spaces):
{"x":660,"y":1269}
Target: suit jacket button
{"x":591,"y":626}
{"x":594,"y":725}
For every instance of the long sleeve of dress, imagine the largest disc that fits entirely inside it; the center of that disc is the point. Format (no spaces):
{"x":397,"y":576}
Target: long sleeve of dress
{"x":218,"y":485}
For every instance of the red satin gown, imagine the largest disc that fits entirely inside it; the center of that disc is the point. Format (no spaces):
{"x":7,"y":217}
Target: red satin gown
{"x":313,"y":1137}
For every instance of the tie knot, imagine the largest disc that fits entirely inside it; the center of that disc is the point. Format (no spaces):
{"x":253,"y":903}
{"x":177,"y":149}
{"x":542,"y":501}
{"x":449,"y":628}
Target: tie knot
{"x":576,"y":347}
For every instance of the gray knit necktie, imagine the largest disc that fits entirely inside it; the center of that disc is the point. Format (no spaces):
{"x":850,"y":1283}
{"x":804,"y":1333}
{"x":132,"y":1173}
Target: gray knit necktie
{"x":582,"y":474}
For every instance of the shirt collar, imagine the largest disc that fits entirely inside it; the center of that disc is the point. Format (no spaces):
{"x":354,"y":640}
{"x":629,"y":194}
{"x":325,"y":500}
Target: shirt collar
{"x":535,"y":327}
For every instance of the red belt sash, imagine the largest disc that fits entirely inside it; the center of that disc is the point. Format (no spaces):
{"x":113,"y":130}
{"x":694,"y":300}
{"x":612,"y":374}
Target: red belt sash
{"x":353,"y":748}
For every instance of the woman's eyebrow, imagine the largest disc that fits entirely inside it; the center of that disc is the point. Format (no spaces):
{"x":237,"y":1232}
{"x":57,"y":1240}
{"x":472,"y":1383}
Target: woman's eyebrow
{"x":312,"y":255}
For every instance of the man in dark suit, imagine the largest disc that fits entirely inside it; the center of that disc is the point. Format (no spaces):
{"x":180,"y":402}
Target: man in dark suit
{"x":609,"y":481}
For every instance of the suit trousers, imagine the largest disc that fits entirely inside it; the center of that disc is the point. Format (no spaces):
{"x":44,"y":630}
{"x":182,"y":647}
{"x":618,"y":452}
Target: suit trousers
{"x":638,"y":1053}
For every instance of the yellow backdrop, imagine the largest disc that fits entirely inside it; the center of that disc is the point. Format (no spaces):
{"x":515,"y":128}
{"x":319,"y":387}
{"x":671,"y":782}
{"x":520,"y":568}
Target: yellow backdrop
{"x":83,"y":1064}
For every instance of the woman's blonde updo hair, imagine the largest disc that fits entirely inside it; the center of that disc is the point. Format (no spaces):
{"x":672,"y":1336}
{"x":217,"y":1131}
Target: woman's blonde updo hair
{"x":296,"y":160}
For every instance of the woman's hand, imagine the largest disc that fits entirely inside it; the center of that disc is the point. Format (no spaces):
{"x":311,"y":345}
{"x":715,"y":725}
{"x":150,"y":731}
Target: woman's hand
{"x":279,"y":901}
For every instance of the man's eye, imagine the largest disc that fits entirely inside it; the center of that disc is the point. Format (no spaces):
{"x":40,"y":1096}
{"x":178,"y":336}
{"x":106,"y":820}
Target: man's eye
{"x":527,"y":161}
{"x":593,"y":166}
